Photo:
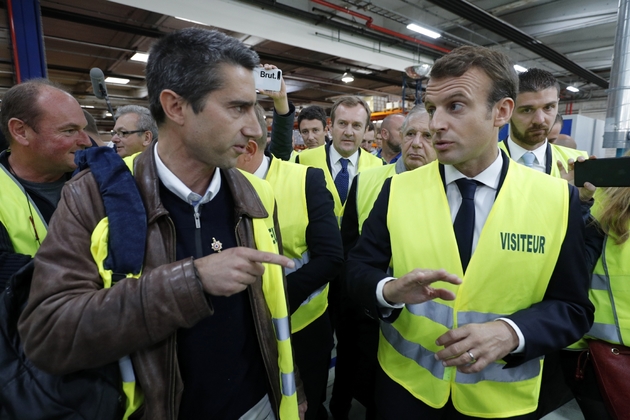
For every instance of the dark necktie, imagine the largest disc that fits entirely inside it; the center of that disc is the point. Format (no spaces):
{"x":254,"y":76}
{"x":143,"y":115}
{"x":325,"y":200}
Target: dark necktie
{"x":464,"y":225}
{"x":342,"y":180}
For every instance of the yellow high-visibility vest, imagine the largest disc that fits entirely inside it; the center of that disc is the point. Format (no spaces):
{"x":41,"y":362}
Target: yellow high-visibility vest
{"x":20,"y":216}
{"x":317,"y":158}
{"x":509,"y":271}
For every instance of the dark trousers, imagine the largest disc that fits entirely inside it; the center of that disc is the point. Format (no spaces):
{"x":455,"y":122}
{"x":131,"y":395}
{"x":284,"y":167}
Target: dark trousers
{"x":312,"y":346}
{"x":394,"y":402}
{"x":357,"y":345}
{"x":554,"y":391}
{"x":585,"y":390}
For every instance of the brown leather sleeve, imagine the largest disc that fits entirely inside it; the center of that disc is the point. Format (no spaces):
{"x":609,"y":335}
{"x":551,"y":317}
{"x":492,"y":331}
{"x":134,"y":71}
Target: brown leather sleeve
{"x":71,"y":322}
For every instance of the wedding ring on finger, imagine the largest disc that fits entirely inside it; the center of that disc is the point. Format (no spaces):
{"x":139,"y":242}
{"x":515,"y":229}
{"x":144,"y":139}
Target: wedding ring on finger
{"x":472,"y":358}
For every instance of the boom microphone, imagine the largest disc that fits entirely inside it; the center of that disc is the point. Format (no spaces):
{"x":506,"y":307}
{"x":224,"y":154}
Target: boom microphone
{"x":98,"y":83}
{"x":99,"y":88}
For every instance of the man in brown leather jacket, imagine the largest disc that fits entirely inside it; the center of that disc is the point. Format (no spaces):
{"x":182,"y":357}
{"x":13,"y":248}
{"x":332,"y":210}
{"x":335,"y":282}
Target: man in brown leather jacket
{"x":196,"y":322}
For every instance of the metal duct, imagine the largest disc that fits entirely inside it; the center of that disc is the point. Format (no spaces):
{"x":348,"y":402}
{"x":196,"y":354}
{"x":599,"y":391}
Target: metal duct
{"x":617,"y":128}
{"x":479,"y":16}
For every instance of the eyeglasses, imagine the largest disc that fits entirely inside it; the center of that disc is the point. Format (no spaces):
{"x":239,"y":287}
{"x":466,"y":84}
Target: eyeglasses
{"x":124,"y":134}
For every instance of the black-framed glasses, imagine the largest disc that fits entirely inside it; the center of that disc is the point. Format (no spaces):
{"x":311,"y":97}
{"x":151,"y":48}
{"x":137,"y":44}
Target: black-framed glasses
{"x":124,"y":134}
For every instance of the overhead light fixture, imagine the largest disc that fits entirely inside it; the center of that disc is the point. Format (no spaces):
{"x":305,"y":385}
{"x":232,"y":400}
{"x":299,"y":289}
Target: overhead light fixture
{"x":519,"y":69}
{"x":189,"y":20}
{"x":573,"y":89}
{"x":117,"y":80}
{"x":87,"y":106}
{"x":347,"y":77}
{"x":418,"y":71}
{"x":423,"y":31}
{"x":142,"y":57}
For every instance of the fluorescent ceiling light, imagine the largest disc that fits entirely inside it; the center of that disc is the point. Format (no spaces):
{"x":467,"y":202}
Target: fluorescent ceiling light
{"x":117,"y":80}
{"x":519,"y":69}
{"x":143,"y":57}
{"x":347,"y":77}
{"x":423,"y":31}
{"x":87,"y":106}
{"x":108,"y":114}
{"x":189,"y":20}
{"x":572,"y":89}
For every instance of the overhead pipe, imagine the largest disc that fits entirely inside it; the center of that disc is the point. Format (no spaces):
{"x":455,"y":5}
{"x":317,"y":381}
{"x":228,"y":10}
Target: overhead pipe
{"x":617,"y":125}
{"x":382,"y":29}
{"x":480,"y":17}
{"x":16,"y":59}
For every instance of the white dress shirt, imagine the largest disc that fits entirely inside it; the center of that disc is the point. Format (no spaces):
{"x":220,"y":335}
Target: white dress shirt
{"x":177,"y":187}
{"x":262,"y":170}
{"x":517,"y":152}
{"x":484,"y":199}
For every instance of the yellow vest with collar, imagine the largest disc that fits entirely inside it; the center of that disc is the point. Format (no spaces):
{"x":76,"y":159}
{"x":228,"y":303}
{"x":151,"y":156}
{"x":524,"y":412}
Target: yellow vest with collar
{"x":317,"y":158}
{"x":288,"y":181}
{"x":370,"y":184}
{"x":509,"y":271}
{"x":20,"y":216}
{"x":273,"y":290}
{"x":558,"y":153}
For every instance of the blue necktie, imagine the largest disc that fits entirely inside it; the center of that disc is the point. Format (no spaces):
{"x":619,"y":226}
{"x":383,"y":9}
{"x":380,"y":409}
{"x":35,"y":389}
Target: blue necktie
{"x":528,"y":159}
{"x":342,"y":180}
{"x":464,"y":225}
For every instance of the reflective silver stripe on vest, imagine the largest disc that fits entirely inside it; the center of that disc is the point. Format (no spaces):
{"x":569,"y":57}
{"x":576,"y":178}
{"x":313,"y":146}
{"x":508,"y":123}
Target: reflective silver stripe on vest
{"x":299,"y":262}
{"x":413,"y":351}
{"x":435,"y":311}
{"x":126,"y":369}
{"x":604,"y":332}
{"x":599,"y":282}
{"x":495,"y":372}
{"x":283,"y":332}
{"x":471,"y":317}
{"x":314,"y":295}
{"x":288,"y":384}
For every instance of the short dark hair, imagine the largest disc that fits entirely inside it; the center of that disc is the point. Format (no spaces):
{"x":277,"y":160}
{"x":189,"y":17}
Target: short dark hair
{"x":188,"y":62}
{"x":370,"y":126}
{"x":495,"y":64}
{"x":535,"y":80}
{"x":21,"y":102}
{"x":350,"y":102}
{"x":145,"y":120}
{"x":313,"y":112}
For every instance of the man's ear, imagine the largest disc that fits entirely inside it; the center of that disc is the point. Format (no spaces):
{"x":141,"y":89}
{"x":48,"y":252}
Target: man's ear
{"x":148,"y":137}
{"x":504,"y":108}
{"x":173,"y":106}
{"x":251,"y":148}
{"x":18,"y":128}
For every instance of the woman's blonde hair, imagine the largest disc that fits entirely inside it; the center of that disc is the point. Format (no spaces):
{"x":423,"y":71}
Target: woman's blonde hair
{"x":615,"y":216}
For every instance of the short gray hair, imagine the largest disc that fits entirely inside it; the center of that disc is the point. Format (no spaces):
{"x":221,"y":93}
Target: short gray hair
{"x":145,"y":120}
{"x":416,"y":110}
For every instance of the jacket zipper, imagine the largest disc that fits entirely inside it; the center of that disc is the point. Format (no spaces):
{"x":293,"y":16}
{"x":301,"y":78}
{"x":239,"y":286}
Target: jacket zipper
{"x":198,"y":247}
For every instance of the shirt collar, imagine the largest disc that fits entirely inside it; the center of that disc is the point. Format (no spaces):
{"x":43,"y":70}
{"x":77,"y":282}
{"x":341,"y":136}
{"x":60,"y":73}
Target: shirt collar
{"x":517,"y":152}
{"x":335,"y":156}
{"x":489,"y":177}
{"x":262,"y":170}
{"x":177,"y":187}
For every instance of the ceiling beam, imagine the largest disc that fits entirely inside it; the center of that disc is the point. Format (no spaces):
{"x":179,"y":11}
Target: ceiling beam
{"x":477,"y":15}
